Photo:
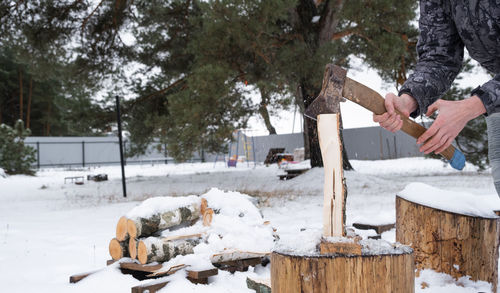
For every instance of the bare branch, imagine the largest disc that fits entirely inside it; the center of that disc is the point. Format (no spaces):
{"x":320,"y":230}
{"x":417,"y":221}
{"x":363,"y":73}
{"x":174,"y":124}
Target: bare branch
{"x":91,"y":14}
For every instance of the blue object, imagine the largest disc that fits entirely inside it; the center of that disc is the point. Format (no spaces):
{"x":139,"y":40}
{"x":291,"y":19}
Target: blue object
{"x":458,"y":160}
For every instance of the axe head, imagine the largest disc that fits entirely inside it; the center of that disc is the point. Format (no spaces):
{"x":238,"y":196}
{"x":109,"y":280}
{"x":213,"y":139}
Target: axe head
{"x":328,"y":101}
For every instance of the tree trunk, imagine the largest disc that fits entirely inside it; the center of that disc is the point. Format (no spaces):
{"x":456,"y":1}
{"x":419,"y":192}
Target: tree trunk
{"x":47,"y":121}
{"x":28,"y":110}
{"x":451,"y":243}
{"x":264,"y":96}
{"x":154,"y":249}
{"x":147,"y":226}
{"x":21,"y":102}
{"x":292,"y":273}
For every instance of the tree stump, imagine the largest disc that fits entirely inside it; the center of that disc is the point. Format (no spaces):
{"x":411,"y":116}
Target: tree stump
{"x":451,"y":243}
{"x":391,"y":273}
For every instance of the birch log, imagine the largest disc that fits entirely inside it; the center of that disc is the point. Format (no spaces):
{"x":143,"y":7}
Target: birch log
{"x":118,"y":249}
{"x":147,"y":226}
{"x":157,"y":249}
{"x":121,"y":229}
{"x":333,"y":190}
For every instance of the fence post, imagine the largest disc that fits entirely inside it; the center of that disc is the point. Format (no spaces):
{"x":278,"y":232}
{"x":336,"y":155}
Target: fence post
{"x":83,"y":153}
{"x":38,"y":155}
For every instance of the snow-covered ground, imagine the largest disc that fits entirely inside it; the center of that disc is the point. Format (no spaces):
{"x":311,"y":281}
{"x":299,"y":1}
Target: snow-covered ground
{"x":50,"y":230}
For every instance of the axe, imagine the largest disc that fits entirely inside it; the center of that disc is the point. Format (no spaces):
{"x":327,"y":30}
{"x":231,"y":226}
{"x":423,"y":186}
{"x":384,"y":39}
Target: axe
{"x":336,"y":86}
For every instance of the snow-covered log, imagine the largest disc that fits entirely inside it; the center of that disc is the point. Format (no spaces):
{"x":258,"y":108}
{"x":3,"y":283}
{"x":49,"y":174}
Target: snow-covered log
{"x":157,"y":249}
{"x":118,"y":249}
{"x":449,"y":242}
{"x":146,"y":226}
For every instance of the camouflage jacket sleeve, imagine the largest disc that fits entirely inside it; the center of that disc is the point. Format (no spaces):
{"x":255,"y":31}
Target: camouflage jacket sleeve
{"x":440,"y":55}
{"x":489,"y":93}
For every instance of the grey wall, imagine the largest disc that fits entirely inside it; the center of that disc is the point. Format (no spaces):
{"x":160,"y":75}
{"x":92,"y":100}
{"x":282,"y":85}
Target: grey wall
{"x":369,"y":143}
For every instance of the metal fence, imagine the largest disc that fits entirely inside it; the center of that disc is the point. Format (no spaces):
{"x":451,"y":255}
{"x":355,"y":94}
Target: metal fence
{"x":369,"y":143}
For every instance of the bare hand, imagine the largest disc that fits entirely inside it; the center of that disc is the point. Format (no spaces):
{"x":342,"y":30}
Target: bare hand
{"x":390,"y":120}
{"x":451,"y":119}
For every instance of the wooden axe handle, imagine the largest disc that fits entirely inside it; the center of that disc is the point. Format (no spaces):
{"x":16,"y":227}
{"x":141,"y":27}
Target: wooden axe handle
{"x":374,"y":102}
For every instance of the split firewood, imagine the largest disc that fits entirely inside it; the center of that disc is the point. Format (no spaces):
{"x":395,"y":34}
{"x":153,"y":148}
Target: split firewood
{"x":121,"y":229}
{"x":118,"y":249}
{"x":204,"y":206}
{"x":207,"y":217}
{"x":147,"y":226}
{"x":232,"y":255}
{"x":132,"y":248}
{"x":157,"y":249}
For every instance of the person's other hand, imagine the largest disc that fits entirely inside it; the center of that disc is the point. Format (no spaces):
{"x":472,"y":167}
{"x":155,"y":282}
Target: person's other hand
{"x":451,"y":119}
{"x":390,"y":120}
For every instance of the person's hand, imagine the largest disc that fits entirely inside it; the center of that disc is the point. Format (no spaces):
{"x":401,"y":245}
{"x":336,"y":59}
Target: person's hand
{"x":390,"y":120}
{"x":451,"y":119}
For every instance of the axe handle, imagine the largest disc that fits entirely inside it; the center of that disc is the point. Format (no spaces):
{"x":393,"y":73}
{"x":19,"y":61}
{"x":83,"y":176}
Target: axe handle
{"x":374,"y":102}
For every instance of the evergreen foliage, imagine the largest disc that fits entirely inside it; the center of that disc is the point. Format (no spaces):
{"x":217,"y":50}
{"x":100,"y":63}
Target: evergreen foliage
{"x":15,"y":156}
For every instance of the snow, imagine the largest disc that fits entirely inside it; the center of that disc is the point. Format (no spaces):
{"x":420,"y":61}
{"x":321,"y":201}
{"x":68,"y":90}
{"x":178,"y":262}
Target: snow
{"x":2,"y":173}
{"x":431,"y":282}
{"x":50,"y":230}
{"x":157,"y":205}
{"x":452,"y":201}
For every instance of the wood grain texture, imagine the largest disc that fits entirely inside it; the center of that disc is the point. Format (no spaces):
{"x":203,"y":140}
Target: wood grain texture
{"x":333,"y":189}
{"x":322,"y":274}
{"x":121,"y":229}
{"x":450,"y":243}
{"x":118,"y":249}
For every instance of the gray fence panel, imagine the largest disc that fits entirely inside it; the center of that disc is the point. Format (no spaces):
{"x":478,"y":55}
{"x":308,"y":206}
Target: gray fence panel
{"x":369,"y":143}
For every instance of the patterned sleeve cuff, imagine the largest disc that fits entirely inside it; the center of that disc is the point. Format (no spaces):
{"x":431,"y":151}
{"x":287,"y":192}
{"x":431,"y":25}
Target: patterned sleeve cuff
{"x":484,"y":96}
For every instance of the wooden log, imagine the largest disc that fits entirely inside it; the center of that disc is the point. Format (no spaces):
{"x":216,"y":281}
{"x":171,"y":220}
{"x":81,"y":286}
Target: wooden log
{"x":204,"y":206}
{"x":151,"y":287}
{"x":333,"y":189}
{"x":451,"y":243}
{"x":157,"y":249}
{"x":121,"y":229}
{"x":132,"y":248}
{"x":347,"y":247}
{"x":259,"y":285}
{"x":391,"y":273}
{"x":144,"y":227}
{"x":380,"y":228}
{"x":118,"y":249}
{"x":78,"y":277}
{"x":207,"y":217}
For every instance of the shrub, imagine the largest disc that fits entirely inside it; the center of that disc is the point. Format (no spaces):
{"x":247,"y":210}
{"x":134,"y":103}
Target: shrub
{"x":15,"y":157}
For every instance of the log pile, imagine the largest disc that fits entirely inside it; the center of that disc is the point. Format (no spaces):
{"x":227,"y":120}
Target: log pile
{"x":140,"y":237}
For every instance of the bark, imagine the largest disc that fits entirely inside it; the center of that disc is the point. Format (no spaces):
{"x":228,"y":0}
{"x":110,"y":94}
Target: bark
{"x":28,"y":110}
{"x":264,"y":95}
{"x":155,"y":249}
{"x":147,"y":226}
{"x":451,"y":243}
{"x":292,"y":273}
{"x":21,"y":102}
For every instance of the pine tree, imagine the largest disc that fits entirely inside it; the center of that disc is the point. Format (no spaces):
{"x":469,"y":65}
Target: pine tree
{"x":15,"y":156}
